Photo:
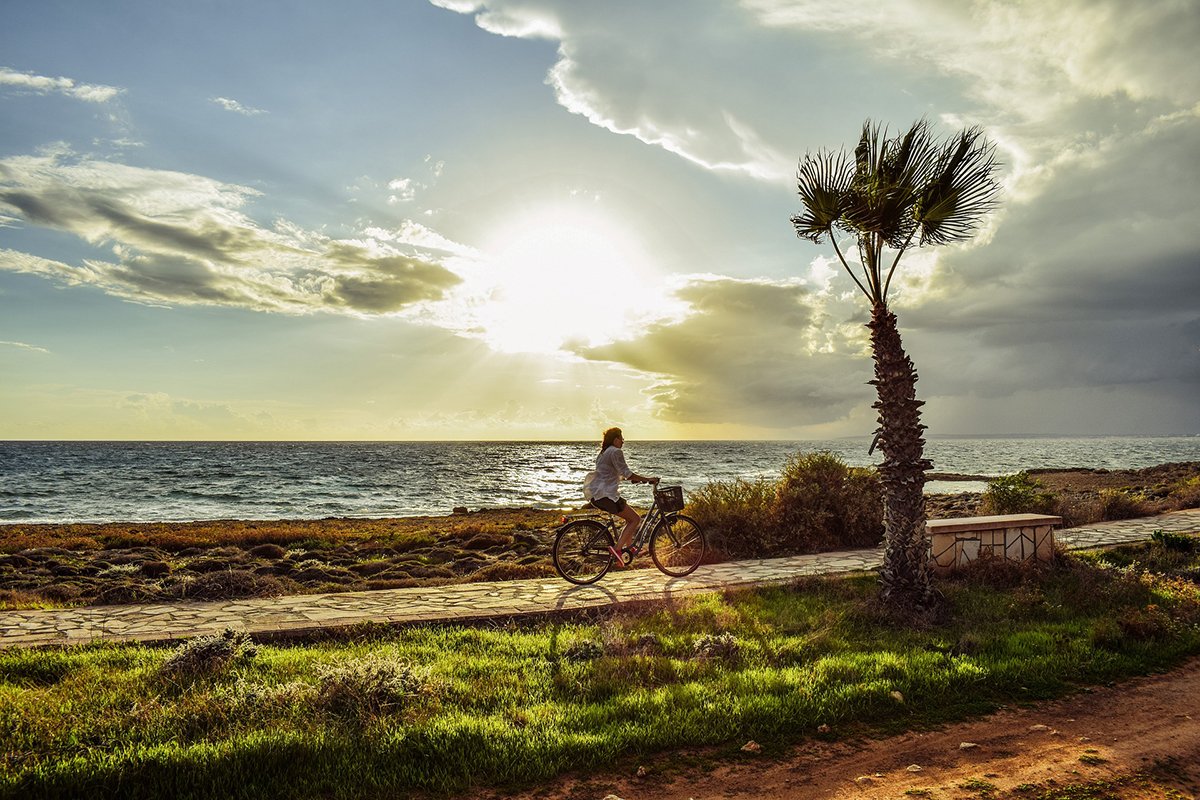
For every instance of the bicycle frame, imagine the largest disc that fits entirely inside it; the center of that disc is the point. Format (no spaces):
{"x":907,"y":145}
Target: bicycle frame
{"x":583,"y":551}
{"x":645,"y":527}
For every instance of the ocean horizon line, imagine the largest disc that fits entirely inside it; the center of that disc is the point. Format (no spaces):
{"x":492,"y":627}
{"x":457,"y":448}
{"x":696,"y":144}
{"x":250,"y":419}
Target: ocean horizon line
{"x":853,"y":437}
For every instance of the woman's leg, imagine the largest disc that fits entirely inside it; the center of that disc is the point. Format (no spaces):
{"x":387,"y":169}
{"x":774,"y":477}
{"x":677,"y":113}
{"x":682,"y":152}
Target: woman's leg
{"x":631,"y":523}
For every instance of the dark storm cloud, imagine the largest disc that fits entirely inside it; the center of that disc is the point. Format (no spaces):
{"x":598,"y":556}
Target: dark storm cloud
{"x":1093,"y":282}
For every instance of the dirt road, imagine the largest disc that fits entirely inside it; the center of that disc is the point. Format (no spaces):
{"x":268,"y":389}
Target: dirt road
{"x":1134,"y":741}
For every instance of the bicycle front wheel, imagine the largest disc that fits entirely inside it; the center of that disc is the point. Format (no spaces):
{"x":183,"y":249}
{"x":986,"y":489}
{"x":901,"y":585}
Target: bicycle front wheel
{"x":581,"y":551}
{"x":677,"y":546}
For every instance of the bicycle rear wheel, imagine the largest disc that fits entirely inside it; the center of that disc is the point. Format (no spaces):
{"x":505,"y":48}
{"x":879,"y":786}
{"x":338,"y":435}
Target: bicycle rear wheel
{"x":581,"y":551}
{"x":677,"y":546}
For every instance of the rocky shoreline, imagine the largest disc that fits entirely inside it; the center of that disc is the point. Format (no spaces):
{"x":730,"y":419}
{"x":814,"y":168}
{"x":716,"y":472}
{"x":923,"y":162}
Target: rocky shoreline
{"x":121,"y":563}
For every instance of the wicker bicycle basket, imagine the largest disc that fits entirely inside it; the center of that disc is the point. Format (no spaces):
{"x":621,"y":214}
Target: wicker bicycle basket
{"x":670,"y":498}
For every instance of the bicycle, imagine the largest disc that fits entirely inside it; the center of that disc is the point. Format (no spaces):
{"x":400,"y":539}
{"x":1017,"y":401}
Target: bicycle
{"x":676,"y":542}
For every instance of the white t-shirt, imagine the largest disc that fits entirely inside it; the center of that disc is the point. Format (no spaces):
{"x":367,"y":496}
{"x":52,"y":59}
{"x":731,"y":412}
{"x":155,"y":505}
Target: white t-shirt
{"x":610,"y":468}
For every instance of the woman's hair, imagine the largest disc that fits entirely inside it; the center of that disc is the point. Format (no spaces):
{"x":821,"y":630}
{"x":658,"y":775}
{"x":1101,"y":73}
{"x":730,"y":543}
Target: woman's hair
{"x":610,"y":435}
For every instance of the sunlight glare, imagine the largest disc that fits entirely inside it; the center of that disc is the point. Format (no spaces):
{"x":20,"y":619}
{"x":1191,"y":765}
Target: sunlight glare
{"x":566,"y":275}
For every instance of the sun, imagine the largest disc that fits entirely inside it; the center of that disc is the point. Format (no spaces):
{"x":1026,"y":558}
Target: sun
{"x":565,"y":275}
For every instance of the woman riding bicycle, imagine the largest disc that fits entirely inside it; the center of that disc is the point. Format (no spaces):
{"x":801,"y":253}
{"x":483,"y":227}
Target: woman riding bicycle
{"x":610,"y":468}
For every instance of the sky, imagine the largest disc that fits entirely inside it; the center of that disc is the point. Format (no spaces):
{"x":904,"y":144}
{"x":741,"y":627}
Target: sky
{"x":534,"y":219}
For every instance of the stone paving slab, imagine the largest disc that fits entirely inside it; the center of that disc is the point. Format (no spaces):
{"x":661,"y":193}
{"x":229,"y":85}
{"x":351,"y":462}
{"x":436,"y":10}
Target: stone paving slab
{"x":306,"y":614}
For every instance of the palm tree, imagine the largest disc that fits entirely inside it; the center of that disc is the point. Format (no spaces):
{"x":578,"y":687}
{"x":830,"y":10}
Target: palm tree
{"x":891,"y":194}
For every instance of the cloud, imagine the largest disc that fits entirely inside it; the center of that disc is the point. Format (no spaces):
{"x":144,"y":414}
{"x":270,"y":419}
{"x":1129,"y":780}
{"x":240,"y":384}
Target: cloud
{"x":1092,"y":283}
{"x":749,"y":352}
{"x":235,"y":106}
{"x":648,"y":70}
{"x":30,"y":347}
{"x":728,"y":88}
{"x":404,"y":190}
{"x":420,"y":236}
{"x":1023,"y":55}
{"x":40,"y":84}
{"x":181,"y":238}
{"x":1087,"y":276}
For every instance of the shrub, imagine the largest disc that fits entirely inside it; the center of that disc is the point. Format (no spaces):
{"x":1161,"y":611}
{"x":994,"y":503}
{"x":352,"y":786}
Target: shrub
{"x":60,"y":592}
{"x":268,"y":550}
{"x":1178,"y":542}
{"x":370,"y":686}
{"x":1146,"y":624}
{"x":824,"y":504}
{"x":582,"y":650}
{"x":155,"y":569}
{"x":1118,"y":504}
{"x":508,"y":571}
{"x":737,"y":516}
{"x":227,"y":585}
{"x":486,"y":540}
{"x":1185,"y":494}
{"x":1018,"y":494}
{"x":818,"y":503}
{"x":207,"y":654}
{"x":719,"y":645}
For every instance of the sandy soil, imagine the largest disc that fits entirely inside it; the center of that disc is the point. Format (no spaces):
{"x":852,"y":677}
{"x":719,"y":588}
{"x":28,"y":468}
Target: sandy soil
{"x":1134,"y":741}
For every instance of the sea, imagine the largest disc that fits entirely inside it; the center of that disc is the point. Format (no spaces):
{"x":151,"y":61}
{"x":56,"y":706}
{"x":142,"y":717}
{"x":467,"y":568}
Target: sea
{"x":61,"y":481}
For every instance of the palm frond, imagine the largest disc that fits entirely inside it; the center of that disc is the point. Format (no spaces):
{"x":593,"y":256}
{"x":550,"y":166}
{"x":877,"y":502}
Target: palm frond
{"x":823,"y":180}
{"x":895,"y":191}
{"x":888,"y":175}
{"x":960,"y":192}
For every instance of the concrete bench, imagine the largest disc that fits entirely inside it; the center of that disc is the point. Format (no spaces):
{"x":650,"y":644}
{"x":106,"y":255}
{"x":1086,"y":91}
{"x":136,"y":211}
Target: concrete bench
{"x":1018,"y":537}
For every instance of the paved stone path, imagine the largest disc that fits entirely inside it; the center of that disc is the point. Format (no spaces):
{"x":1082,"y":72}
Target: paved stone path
{"x":303,"y":614}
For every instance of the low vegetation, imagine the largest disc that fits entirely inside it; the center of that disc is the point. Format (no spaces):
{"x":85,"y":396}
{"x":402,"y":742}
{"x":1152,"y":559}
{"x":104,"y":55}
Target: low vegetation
{"x":67,"y":565}
{"x":1023,"y":493}
{"x":818,"y":503}
{"x":438,"y":709}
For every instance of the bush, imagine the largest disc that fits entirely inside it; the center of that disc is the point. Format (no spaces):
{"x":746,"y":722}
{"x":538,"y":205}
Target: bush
{"x":582,"y":650}
{"x":228,"y":585}
{"x":268,"y":550}
{"x":818,"y":503}
{"x":1117,"y":504}
{"x":1169,"y":540}
{"x":1018,"y":494}
{"x":1146,"y":624}
{"x":822,"y":504}
{"x":508,"y":571}
{"x":717,"y":645}
{"x":737,"y":516}
{"x":1184,"y":494}
{"x":370,"y":686}
{"x":207,"y":654}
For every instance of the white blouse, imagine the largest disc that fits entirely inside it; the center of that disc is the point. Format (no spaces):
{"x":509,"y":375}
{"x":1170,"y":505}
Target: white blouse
{"x":610,"y":468}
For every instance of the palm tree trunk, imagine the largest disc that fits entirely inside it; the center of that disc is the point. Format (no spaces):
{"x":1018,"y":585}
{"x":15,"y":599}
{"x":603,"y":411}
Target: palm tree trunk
{"x":905,"y":576}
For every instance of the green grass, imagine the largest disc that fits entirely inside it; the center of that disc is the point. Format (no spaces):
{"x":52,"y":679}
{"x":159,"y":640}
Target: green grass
{"x":437,"y":709}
